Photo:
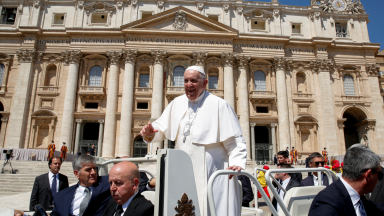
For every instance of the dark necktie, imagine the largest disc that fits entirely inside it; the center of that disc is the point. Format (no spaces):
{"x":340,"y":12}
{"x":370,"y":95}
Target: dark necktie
{"x":119,"y":211}
{"x":362,"y":209}
{"x":84,"y":203}
{"x":54,"y":186}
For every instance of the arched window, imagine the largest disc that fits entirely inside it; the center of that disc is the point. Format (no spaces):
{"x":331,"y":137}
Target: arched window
{"x":178,"y":76}
{"x":349,"y":87}
{"x":2,"y":71}
{"x":95,"y":76}
{"x":300,"y":80}
{"x":259,"y":78}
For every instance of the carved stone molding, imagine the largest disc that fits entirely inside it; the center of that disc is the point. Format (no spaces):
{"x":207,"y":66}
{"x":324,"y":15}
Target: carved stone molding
{"x":281,"y":63}
{"x":370,"y":127}
{"x":72,"y":56}
{"x":101,"y":121}
{"x":242,"y":60}
{"x":134,"y":3}
{"x":140,"y":123}
{"x":4,"y":119}
{"x":130,"y":56}
{"x":227,"y":59}
{"x":114,"y":57}
{"x":252,"y":124}
{"x":79,"y":121}
{"x":239,"y":10}
{"x":322,"y":65}
{"x":26,"y":55}
{"x":180,"y":22}
{"x":119,"y":5}
{"x":199,"y":58}
{"x":226,"y":8}
{"x":314,"y":15}
{"x":52,"y":58}
{"x":272,"y":125}
{"x":158,"y":56}
{"x":372,"y":69}
{"x":38,"y":3}
{"x":160,"y":4}
{"x":351,"y":7}
{"x":300,"y":66}
{"x":276,"y":13}
{"x":200,"y":6}
{"x":80,"y":5}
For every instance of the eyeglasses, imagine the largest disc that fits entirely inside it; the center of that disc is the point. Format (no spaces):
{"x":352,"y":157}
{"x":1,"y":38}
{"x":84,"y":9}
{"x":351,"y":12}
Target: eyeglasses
{"x":380,"y":175}
{"x":319,"y":162}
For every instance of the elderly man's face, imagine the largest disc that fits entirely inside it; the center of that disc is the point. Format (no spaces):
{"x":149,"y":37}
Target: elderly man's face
{"x":121,"y":186}
{"x":194,"y":85}
{"x":87,"y":175}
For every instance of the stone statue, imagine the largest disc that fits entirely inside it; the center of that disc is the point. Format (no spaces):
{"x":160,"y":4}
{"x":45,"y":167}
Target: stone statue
{"x":180,"y":22}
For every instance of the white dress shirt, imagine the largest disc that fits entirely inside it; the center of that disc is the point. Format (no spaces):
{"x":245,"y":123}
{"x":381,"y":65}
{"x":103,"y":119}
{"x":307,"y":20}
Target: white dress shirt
{"x":77,"y":199}
{"x":355,"y":197}
{"x":316,"y":180}
{"x":50,"y":175}
{"x":126,"y":204}
{"x":284,"y":184}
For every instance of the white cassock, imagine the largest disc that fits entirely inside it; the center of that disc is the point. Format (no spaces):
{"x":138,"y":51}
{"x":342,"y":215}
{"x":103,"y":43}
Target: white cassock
{"x":215,"y":142}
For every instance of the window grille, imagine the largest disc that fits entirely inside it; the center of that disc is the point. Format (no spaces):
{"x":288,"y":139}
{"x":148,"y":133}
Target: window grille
{"x":144,"y":80}
{"x":95,"y":76}
{"x":341,"y":30}
{"x":259,"y":78}
{"x":213,"y":82}
{"x":349,"y":87}
{"x":2,"y":69}
{"x":178,"y":76}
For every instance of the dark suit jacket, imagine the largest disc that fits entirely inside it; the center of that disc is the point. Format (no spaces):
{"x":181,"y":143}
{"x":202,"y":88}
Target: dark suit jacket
{"x":307,"y":162}
{"x":96,"y":206}
{"x":377,"y":195}
{"x":309,"y":181}
{"x":143,"y":182}
{"x":138,"y":206}
{"x":335,"y":200}
{"x":291,"y":184}
{"x":41,"y":192}
{"x":247,"y":190}
{"x":297,"y":177}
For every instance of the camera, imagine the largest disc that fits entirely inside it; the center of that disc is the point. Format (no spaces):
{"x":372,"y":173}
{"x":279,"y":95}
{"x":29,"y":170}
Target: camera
{"x":8,"y":153}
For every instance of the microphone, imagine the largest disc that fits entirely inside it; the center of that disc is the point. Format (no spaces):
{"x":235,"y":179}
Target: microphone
{"x":40,"y":211}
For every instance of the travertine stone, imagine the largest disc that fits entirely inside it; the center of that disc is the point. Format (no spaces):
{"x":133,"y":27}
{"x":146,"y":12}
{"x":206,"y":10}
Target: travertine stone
{"x":273,"y":136}
{"x":100,"y":140}
{"x":253,"y":142}
{"x":229,"y":92}
{"x":77,"y":139}
{"x":199,"y":58}
{"x":158,"y":80}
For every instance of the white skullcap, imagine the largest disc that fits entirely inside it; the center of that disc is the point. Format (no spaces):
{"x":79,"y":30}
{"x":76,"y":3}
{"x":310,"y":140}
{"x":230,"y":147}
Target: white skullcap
{"x":196,"y":68}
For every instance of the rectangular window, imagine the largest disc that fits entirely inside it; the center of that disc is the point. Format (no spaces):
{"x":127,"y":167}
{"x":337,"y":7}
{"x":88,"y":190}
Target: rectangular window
{"x":178,"y":78}
{"x":258,"y":25}
{"x":214,"y":17}
{"x":142,"y":106}
{"x":91,"y":105}
{"x":341,"y":30}
{"x":296,"y":28}
{"x":144,"y":80}
{"x":59,"y":19}
{"x":99,"y":18}
{"x":213,"y":82}
{"x":145,"y":14}
{"x":8,"y":16}
{"x":262,"y":109}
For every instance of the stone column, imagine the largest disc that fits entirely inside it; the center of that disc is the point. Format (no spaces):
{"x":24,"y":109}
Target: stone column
{"x":273,"y":135}
{"x":100,"y":140}
{"x":282,"y":102}
{"x":242,"y":62}
{"x":77,"y":139}
{"x":72,"y":57}
{"x":229,"y":84}
{"x":4,"y":122}
{"x":199,"y":59}
{"x":253,"y":139}
{"x":127,"y":103}
{"x":19,"y":110}
{"x":110,"y":114}
{"x":158,"y":88}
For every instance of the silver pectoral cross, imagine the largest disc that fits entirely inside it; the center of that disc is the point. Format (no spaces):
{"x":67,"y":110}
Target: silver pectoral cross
{"x":186,"y":133}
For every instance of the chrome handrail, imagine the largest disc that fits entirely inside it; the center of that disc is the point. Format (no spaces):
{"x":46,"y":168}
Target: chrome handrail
{"x":273,"y":178}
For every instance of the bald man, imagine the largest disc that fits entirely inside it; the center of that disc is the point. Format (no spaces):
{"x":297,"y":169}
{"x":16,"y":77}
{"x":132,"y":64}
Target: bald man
{"x":124,"y":186}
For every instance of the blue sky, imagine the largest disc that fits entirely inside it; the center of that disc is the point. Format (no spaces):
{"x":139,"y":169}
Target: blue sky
{"x":375,"y":9}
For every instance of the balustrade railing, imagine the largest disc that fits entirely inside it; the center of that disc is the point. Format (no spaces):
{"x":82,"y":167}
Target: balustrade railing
{"x":262,"y":93}
{"x":143,"y":89}
{"x":47,"y":89}
{"x":85,"y":89}
{"x":352,"y":98}
{"x":303,"y":95}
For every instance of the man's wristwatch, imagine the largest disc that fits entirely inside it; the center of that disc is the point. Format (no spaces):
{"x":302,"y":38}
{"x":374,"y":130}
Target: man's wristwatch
{"x":149,"y":183}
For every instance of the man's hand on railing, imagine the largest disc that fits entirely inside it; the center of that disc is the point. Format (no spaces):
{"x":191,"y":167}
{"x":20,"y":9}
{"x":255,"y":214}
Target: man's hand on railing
{"x":234,"y":168}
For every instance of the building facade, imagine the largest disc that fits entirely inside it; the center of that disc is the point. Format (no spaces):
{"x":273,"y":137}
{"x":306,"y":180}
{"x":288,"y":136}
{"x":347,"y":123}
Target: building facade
{"x":95,"y":72}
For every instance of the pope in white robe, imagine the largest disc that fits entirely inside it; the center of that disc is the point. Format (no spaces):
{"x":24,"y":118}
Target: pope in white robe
{"x":207,"y":128}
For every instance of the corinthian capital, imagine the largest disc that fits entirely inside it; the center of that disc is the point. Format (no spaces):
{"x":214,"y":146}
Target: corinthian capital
{"x":72,"y":56}
{"x":199,"y":58}
{"x":372,"y":69}
{"x":281,"y":63}
{"x":158,"y":56}
{"x":322,"y":65}
{"x":26,"y":55}
{"x":242,"y":60}
{"x":227,"y":59}
{"x":130,"y":56}
{"x":114,"y":56}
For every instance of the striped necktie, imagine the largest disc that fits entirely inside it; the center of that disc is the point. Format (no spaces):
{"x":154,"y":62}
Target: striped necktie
{"x":84,"y":203}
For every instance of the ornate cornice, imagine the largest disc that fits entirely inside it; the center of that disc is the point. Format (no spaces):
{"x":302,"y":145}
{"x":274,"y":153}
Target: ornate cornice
{"x":322,"y":65}
{"x":372,"y":69}
{"x":227,"y":59}
{"x":158,"y":56}
{"x":72,"y":56}
{"x":352,"y":7}
{"x":130,"y":56}
{"x":239,"y":10}
{"x":199,"y":58}
{"x":242,"y":60}
{"x":26,"y":55}
{"x":114,"y":57}
{"x":281,"y":63}
{"x":226,"y":8}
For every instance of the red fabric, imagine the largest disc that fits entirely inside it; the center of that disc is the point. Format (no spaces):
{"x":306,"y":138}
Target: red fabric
{"x":266,"y":191}
{"x":342,"y":164}
{"x":266,"y":167}
{"x":326,"y":167}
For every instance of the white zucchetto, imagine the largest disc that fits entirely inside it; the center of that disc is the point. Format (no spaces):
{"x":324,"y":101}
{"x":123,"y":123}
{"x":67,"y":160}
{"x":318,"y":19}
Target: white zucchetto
{"x":196,"y":68}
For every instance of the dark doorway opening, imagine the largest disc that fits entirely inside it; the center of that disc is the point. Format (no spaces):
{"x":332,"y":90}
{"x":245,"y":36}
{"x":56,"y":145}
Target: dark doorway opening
{"x":90,"y":137}
{"x":140,"y":148}
{"x":351,"y":135}
{"x":262,"y":144}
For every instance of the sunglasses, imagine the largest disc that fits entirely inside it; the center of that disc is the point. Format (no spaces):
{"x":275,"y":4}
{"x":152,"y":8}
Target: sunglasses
{"x":319,"y":162}
{"x":380,"y":175}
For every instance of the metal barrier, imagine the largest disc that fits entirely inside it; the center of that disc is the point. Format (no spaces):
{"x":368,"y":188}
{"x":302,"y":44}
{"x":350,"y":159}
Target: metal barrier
{"x":319,"y":170}
{"x":255,"y":174}
{"x":237,"y":173}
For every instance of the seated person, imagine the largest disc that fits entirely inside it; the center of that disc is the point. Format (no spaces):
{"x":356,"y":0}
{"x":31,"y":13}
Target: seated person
{"x":315,"y":160}
{"x":145,"y":183}
{"x":124,"y":188}
{"x":283,"y":158}
{"x":89,"y":196}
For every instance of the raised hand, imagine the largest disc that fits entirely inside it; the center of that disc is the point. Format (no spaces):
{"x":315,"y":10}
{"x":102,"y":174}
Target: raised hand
{"x":148,"y":131}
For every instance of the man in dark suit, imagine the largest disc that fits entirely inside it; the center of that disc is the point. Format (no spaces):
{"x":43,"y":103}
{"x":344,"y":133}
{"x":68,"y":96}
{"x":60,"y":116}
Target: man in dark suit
{"x":42,"y":192}
{"x":361,"y":173}
{"x":307,"y":164}
{"x":377,"y":195}
{"x":315,"y":160}
{"x":283,"y":158}
{"x":124,"y":186}
{"x":247,"y":190}
{"x":286,"y":181}
{"x":89,"y":196}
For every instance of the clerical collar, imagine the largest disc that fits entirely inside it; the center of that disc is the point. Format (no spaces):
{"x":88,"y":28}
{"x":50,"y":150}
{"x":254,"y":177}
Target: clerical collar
{"x":198,"y":98}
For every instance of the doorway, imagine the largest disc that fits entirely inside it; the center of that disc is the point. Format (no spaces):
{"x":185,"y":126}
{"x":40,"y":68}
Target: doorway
{"x":262,"y":145}
{"x":90,"y":136}
{"x":140,"y":148}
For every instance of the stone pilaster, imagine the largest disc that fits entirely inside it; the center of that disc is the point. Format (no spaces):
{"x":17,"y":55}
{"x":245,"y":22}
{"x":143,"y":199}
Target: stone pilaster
{"x":100,"y":140}
{"x":253,"y":142}
{"x":127,"y":103}
{"x":19,"y":109}
{"x":282,"y":102}
{"x":71,"y":57}
{"x":199,"y":58}
{"x":77,"y":137}
{"x":273,"y":136}
{"x":4,"y":122}
{"x":242,"y":62}
{"x":110,"y":114}
{"x":229,"y":84}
